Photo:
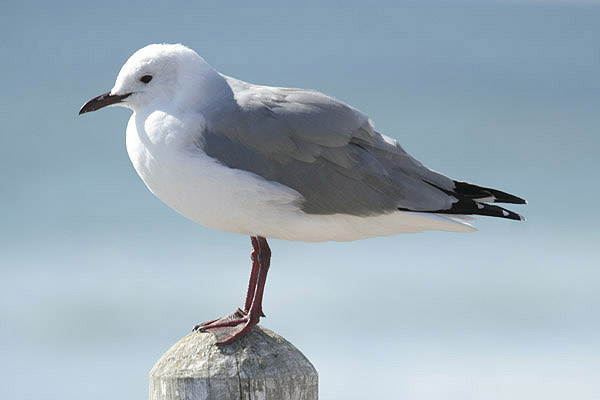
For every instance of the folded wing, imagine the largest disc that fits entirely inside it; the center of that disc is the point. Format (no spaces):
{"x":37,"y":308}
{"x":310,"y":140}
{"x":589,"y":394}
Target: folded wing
{"x":329,"y":153}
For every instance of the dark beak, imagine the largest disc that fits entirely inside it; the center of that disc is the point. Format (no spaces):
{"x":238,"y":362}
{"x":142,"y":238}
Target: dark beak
{"x":103,"y":100}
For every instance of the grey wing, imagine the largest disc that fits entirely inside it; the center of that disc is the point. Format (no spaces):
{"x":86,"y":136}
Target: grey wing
{"x":325,"y":150}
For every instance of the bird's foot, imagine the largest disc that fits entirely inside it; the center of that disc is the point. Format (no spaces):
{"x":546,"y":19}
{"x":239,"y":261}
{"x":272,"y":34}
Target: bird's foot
{"x":230,"y":327}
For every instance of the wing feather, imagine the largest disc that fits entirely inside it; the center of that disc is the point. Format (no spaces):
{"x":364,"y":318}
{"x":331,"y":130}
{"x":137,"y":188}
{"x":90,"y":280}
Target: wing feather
{"x":324,"y":149}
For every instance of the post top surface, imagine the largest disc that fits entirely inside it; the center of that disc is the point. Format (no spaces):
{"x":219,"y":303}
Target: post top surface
{"x":260,"y":354}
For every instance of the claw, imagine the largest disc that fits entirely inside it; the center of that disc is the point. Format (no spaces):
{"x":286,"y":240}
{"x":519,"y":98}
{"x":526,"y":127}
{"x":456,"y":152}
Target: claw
{"x":229,"y":328}
{"x":200,"y":325}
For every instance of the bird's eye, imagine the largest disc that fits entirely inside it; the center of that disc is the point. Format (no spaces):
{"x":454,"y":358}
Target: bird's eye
{"x":146,"y":78}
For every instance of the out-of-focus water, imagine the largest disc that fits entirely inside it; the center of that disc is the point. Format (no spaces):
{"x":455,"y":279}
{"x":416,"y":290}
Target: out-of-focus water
{"x":98,"y":278}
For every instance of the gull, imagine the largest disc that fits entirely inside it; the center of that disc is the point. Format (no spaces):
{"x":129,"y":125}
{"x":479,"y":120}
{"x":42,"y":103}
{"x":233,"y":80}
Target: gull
{"x":273,"y":162}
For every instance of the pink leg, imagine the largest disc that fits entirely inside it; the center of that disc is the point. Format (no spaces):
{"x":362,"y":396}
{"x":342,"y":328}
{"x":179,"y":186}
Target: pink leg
{"x":240,"y":322}
{"x":253,"y":274}
{"x":251,"y":286}
{"x":264,"y":258}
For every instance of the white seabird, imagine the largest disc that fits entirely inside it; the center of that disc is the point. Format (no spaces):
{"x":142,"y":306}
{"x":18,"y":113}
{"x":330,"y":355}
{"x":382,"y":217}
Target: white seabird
{"x":273,"y":162}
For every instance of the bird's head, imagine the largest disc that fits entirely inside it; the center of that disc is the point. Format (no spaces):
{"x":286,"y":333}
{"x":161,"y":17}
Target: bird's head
{"x":156,"y":74}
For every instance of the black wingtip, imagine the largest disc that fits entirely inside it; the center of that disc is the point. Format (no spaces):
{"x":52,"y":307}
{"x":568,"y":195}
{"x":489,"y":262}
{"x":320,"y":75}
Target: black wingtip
{"x":470,"y":207}
{"x":475,"y":192}
{"x":471,"y":199}
{"x":466,"y":206}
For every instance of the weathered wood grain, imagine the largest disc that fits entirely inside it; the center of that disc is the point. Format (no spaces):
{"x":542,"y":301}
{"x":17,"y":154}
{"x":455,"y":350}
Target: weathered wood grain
{"x":262,"y":365}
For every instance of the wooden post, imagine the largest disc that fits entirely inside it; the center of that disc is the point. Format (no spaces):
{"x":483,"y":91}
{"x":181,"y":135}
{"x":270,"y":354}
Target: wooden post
{"x":262,"y":365}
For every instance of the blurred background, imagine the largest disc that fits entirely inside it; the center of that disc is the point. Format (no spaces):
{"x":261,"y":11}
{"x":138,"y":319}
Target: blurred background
{"x":98,"y":278}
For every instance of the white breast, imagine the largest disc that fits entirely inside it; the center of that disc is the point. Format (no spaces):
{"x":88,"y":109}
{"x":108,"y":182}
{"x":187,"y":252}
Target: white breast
{"x":199,"y":187}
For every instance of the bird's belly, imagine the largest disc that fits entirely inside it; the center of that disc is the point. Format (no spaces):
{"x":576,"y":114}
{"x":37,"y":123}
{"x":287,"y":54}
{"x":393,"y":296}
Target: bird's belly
{"x":214,"y":195}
